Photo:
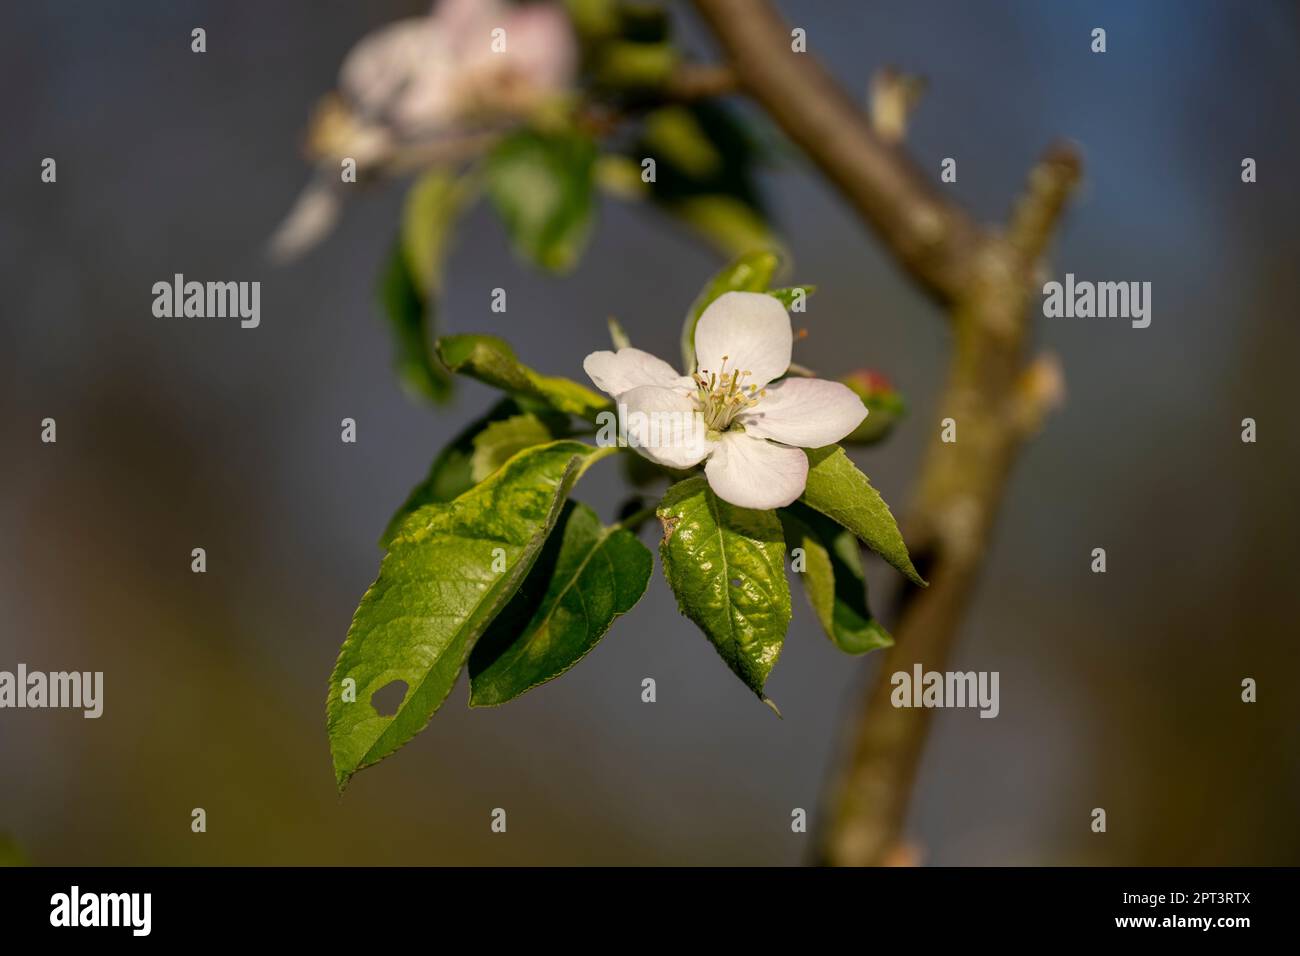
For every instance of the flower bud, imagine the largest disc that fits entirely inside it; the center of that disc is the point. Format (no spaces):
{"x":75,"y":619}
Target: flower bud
{"x":885,"y":406}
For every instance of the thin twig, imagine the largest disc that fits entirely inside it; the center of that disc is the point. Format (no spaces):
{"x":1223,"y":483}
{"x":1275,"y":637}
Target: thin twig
{"x":699,"y":81}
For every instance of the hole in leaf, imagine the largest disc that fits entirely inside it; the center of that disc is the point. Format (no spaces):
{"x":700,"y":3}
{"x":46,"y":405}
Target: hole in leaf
{"x":735,"y":582}
{"x":388,"y":698}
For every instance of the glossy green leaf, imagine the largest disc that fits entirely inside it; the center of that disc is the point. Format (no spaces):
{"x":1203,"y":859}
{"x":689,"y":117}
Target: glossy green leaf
{"x":543,"y":187}
{"x":833,"y":579}
{"x":490,"y":360}
{"x":452,"y":471}
{"x":748,"y":273}
{"x":586,"y":576}
{"x":838,"y":490}
{"x":411,"y":280}
{"x":726,"y":567}
{"x":449,"y":570}
{"x":499,"y":441}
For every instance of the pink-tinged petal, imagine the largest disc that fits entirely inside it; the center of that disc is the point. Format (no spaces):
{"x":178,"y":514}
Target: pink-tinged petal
{"x":752,"y":473}
{"x":617,"y":372}
{"x":664,"y":425}
{"x":542,"y":47}
{"x":807,"y":412}
{"x":752,"y":330}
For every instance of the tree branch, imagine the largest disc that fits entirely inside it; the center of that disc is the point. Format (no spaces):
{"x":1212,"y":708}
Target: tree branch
{"x":987,"y":279}
{"x":932,"y":238}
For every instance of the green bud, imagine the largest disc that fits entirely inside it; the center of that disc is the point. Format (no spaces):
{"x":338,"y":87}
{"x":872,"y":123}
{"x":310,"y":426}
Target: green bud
{"x":885,"y":406}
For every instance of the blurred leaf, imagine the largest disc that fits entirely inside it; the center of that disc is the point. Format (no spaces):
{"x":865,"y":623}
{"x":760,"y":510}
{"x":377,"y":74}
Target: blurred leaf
{"x":499,"y":441}
{"x":838,"y":490}
{"x":594,"y":20}
{"x":436,"y":593}
{"x":411,"y":280}
{"x":623,"y":65}
{"x":726,"y":567}
{"x":587,"y":575}
{"x":727,"y":224}
{"x":492,"y":361}
{"x":833,"y":580}
{"x":749,"y":273}
{"x":451,"y":473}
{"x":620,"y":176}
{"x":11,"y":853}
{"x":543,"y":187}
{"x":676,"y":138}
{"x":411,"y":320}
{"x":429,"y":210}
{"x":705,"y":161}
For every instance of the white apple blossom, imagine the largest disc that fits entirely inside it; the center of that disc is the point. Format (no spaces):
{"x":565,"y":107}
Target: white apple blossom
{"x":728,"y":414}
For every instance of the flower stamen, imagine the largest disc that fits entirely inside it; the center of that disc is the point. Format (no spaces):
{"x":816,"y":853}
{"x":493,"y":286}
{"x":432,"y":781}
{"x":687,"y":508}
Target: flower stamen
{"x":723,"y":395}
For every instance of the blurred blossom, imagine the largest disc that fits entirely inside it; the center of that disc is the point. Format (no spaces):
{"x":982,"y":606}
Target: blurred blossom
{"x":427,"y":75}
{"x":423,"y":90}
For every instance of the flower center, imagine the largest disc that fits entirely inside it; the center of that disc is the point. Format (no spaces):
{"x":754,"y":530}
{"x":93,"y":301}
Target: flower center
{"x":722,"y":395}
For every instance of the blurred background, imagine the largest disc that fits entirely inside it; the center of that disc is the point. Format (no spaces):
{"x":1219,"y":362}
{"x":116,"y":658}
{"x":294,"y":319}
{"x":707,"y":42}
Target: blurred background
{"x":1119,"y":690}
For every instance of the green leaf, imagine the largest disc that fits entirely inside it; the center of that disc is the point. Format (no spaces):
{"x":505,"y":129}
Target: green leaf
{"x":429,"y":210}
{"x":838,"y":490}
{"x":726,"y":565}
{"x":586,"y":577}
{"x":833,"y":580}
{"x":411,"y":281}
{"x":451,"y":473}
{"x":631,"y":65}
{"x":676,"y":137}
{"x":727,"y":224}
{"x":749,"y":273}
{"x":705,"y":161}
{"x":594,"y":20}
{"x":498,"y":442}
{"x":438,"y":589}
{"x":410,"y":320}
{"x":543,"y":187}
{"x":787,"y":297}
{"x":701,"y":149}
{"x":490,"y":360}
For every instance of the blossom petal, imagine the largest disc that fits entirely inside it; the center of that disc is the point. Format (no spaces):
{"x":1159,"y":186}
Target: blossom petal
{"x":807,"y":412}
{"x":617,"y":372}
{"x":382,"y":65}
{"x":752,"y":473}
{"x":664,"y":425}
{"x":752,"y":330}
